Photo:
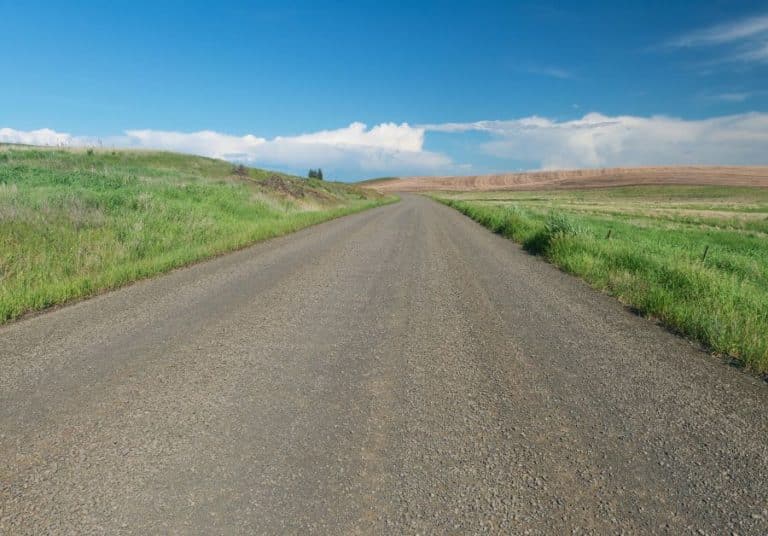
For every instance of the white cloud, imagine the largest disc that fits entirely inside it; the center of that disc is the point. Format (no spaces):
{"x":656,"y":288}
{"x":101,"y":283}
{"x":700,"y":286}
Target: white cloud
{"x":349,"y":151}
{"x":43,"y":136}
{"x":736,"y":96}
{"x":756,"y":53}
{"x":732,"y":97}
{"x":554,"y":72}
{"x":746,"y":40}
{"x":205,"y":142}
{"x":384,"y":136}
{"x":724,"y":33}
{"x":355,"y":151}
{"x":597,"y":140}
{"x":384,"y":148}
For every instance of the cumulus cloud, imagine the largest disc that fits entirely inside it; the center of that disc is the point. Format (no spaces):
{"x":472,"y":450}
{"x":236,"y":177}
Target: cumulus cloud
{"x":389,"y":136}
{"x":43,"y":136}
{"x":384,"y":148}
{"x":598,"y":140}
{"x":205,"y":142}
{"x":355,"y":151}
{"x":357,"y":137}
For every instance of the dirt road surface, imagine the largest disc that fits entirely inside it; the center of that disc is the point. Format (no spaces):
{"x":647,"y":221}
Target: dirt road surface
{"x":401,"y":370}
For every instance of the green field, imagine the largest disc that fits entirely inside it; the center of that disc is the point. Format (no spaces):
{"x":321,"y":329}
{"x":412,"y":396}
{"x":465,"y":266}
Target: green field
{"x":693,"y":258}
{"x":75,"y":222}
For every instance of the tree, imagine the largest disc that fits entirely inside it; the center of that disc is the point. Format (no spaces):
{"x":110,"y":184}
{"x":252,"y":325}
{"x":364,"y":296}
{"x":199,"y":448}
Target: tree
{"x":311,"y":174}
{"x":319,"y":174}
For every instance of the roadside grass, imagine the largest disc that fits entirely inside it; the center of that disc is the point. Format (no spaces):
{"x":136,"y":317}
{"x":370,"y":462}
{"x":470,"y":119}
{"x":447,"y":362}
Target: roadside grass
{"x":703,"y":275}
{"x":76,"y":222}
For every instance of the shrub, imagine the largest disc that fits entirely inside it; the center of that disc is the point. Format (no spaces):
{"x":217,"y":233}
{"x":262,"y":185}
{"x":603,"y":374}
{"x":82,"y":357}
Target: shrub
{"x":559,"y":224}
{"x":556,"y":226}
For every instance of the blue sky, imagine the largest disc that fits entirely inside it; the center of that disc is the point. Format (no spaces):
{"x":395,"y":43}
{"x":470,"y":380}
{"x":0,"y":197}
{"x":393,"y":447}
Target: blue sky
{"x":368,"y":89}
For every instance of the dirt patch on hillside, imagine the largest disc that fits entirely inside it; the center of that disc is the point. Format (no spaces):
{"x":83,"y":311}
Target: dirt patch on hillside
{"x":283,"y":186}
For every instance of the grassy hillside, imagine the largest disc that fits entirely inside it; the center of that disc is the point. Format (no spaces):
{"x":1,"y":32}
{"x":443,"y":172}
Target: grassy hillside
{"x":74,"y":222}
{"x":695,"y":258}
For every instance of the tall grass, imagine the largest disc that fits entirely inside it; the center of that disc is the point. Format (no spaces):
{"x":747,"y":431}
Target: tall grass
{"x":656,"y":266}
{"x":74,"y":223}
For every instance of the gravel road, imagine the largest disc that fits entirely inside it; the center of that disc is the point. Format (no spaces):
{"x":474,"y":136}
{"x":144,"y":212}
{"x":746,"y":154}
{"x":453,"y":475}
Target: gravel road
{"x":402,"y":370}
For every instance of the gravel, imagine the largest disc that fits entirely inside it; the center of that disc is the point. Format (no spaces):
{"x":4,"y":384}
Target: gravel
{"x":397,"y":371}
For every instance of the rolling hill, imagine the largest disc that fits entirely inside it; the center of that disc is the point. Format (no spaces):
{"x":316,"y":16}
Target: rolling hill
{"x":582,"y":178}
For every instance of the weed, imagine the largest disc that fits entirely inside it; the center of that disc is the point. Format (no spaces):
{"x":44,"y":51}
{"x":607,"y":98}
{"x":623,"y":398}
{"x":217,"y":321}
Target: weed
{"x":557,"y":226}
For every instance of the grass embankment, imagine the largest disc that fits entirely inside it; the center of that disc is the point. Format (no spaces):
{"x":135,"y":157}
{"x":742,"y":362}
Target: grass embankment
{"x":75,"y":222}
{"x":694,"y":258}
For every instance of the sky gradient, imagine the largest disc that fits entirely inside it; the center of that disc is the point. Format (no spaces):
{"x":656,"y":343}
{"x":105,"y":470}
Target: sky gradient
{"x":369,"y":89}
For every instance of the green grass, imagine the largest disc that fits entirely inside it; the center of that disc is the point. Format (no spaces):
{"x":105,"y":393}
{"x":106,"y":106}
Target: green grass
{"x":654,"y":258}
{"x":73,"y":223}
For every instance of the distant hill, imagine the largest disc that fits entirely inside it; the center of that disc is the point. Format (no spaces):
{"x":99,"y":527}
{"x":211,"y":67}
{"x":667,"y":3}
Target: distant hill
{"x":582,"y":178}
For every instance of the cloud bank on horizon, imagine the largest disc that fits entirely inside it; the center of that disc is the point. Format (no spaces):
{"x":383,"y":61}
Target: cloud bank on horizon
{"x":357,"y":151}
{"x":597,"y":140}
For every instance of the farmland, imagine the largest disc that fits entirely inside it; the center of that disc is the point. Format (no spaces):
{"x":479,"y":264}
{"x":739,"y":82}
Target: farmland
{"x":581,"y":178}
